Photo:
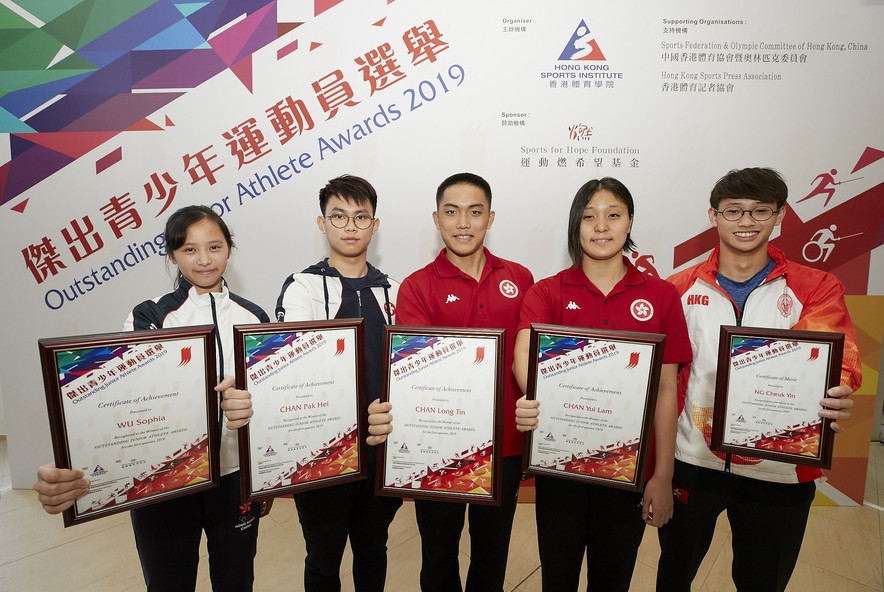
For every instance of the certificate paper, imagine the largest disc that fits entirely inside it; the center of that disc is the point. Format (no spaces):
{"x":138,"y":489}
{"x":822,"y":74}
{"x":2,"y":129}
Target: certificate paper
{"x":768,"y":390}
{"x":136,"y":412}
{"x":598,"y":391}
{"x":446,"y":387}
{"x":306,"y":387}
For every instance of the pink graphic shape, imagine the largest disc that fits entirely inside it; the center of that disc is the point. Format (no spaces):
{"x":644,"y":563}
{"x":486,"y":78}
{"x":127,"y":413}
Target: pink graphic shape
{"x":293,"y":46}
{"x":246,"y":36}
{"x":868,"y":156}
{"x":108,"y":160}
{"x":320,"y":6}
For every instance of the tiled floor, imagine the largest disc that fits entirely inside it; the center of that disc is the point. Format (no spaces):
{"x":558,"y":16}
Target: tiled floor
{"x":843,"y":549}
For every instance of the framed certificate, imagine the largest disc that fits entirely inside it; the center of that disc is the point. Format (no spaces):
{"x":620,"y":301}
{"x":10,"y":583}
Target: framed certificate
{"x":309,"y":409}
{"x":446,"y":388}
{"x":136,"y":412}
{"x":598,"y":394}
{"x":767,"y":394}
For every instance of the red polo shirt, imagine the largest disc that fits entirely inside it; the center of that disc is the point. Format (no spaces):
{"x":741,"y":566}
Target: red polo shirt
{"x":441,"y":295}
{"x":637,"y":303}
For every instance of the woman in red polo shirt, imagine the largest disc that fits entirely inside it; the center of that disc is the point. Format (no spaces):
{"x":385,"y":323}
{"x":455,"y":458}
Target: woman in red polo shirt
{"x":602,"y":290}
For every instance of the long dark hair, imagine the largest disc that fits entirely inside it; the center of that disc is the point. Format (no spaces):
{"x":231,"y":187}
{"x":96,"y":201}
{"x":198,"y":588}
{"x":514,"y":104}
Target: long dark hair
{"x":582,"y":199}
{"x":178,"y":223}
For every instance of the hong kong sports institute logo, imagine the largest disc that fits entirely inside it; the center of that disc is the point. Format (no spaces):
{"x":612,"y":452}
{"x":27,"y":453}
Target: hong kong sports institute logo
{"x":582,"y":46}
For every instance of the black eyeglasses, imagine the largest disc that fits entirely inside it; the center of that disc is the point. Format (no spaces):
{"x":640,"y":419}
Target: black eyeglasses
{"x":760,"y":214}
{"x":362,"y":221}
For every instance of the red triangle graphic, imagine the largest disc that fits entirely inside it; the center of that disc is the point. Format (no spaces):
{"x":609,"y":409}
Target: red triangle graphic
{"x":284,"y":28}
{"x":380,"y":23}
{"x":284,"y":51}
{"x":73,"y":144}
{"x":314,"y":45}
{"x":869,"y":156}
{"x":595,"y":55}
{"x":145,"y":125}
{"x":169,"y":122}
{"x":243,"y":70}
{"x":20,"y":207}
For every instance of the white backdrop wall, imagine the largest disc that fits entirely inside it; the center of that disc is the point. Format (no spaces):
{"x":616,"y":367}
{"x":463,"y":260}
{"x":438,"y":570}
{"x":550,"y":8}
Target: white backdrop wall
{"x":685,"y":91}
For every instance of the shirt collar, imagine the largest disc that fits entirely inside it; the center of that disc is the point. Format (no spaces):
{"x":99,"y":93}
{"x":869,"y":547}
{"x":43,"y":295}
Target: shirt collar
{"x":446,"y":269}
{"x":633,"y":277}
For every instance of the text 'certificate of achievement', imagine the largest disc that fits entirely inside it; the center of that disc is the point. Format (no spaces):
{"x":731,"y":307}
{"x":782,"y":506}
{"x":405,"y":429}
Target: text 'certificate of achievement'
{"x":136,"y":412}
{"x":306,"y":385}
{"x":768,"y":391}
{"x":446,"y":387}
{"x":598,"y":392}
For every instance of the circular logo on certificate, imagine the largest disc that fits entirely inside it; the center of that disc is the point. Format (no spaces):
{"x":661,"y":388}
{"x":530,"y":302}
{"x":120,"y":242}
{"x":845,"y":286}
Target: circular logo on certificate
{"x":509,"y":289}
{"x":784,"y":305}
{"x":641,"y":310}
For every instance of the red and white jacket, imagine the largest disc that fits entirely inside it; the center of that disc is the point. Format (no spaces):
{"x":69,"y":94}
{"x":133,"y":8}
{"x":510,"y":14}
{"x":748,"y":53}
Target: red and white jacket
{"x":792,"y":297}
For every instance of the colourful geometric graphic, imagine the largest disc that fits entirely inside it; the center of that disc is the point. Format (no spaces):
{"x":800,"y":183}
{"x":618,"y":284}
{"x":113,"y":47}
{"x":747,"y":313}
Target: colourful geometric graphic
{"x":552,"y":346}
{"x":260,"y":347}
{"x":187,"y":466}
{"x":340,"y":456}
{"x":745,"y":345}
{"x":802,"y":440}
{"x":74,"y":74}
{"x":469,"y":472}
{"x":616,"y":463}
{"x":73,"y":364}
{"x":403,"y":346}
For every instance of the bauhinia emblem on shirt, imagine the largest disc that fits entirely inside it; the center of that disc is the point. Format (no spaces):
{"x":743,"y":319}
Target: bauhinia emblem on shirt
{"x":784,"y":305}
{"x":451,"y":298}
{"x":509,"y":289}
{"x":572,"y":306}
{"x":641,"y":310}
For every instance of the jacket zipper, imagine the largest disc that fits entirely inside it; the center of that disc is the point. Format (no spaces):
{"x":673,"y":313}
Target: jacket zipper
{"x":738,"y":315}
{"x":220,"y":368}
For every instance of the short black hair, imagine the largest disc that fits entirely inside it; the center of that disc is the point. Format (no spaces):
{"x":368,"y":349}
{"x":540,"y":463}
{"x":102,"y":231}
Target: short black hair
{"x":763,"y":184}
{"x":582,"y":199}
{"x":464,"y":179}
{"x":349,"y":188}
{"x":176,"y":226}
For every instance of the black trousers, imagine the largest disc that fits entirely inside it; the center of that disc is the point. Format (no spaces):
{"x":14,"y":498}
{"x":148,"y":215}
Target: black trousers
{"x":167,"y":535}
{"x":574,"y":518}
{"x":329,"y":516}
{"x":767,"y":526}
{"x":441,"y":523}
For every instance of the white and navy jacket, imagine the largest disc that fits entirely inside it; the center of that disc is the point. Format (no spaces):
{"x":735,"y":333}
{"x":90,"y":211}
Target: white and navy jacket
{"x":185,"y":308}
{"x":791,"y":297}
{"x":320,"y":293}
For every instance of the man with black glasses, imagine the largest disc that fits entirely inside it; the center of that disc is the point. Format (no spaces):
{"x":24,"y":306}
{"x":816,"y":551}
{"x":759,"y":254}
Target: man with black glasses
{"x":746,"y":281}
{"x":343,"y":286}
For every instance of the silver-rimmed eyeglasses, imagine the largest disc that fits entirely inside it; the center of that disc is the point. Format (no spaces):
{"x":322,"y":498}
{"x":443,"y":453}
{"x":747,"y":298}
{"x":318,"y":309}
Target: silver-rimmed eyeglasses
{"x":761,"y":213}
{"x":339,"y":220}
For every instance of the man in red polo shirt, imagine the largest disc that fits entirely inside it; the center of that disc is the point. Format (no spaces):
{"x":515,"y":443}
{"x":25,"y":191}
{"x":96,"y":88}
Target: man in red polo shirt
{"x":465,"y":286}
